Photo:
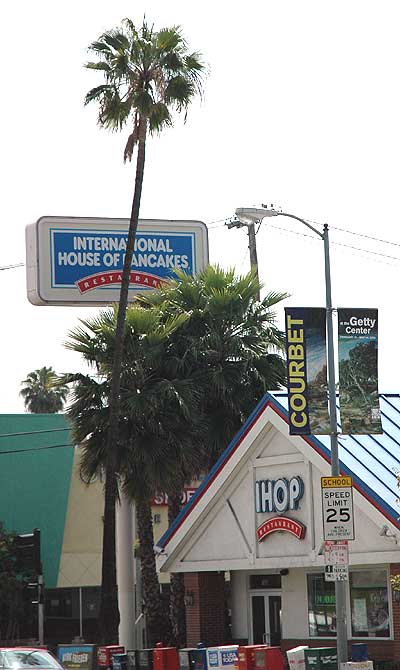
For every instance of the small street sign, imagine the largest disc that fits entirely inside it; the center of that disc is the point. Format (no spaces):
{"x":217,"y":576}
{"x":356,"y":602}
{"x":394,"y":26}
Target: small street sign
{"x":336,"y":553}
{"x":336,"y":573}
{"x":337,"y":508}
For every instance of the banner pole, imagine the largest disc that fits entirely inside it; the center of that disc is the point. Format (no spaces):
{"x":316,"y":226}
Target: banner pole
{"x":340,"y":587}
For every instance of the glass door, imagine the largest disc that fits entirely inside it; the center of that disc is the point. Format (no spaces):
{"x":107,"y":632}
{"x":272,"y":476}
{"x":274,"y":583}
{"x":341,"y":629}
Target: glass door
{"x":265,"y":615}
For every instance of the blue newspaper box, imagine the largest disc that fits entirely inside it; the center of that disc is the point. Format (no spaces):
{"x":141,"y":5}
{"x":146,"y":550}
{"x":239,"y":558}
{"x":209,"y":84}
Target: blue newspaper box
{"x":199,"y":656}
{"x":119,"y":662}
{"x":359,"y":651}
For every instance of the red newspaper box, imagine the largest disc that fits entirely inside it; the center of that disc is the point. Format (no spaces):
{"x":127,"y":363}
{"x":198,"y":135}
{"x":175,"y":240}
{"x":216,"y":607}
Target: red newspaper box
{"x":104,"y":654}
{"x":269,"y":658}
{"x":165,"y":658}
{"x":247,"y":656}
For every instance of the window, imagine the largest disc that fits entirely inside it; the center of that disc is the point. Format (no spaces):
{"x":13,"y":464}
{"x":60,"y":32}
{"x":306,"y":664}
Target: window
{"x":59,"y":603}
{"x":34,"y":658}
{"x":368,"y":604}
{"x":321,"y":606}
{"x":65,"y":603}
{"x":265,"y":581}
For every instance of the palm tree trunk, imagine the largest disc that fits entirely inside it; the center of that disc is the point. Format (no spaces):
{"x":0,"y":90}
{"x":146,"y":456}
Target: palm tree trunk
{"x":177,"y":591}
{"x":156,"y":620}
{"x":109,"y":613}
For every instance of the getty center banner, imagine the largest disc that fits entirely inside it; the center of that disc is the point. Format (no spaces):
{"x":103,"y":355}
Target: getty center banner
{"x":358,"y":371}
{"x":307,"y":370}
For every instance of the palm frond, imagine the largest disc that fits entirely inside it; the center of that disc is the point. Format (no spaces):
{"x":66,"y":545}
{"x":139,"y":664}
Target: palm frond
{"x":159,"y":117}
{"x":100,"y":65}
{"x":100,"y":47}
{"x":116,"y":40}
{"x":179,"y":92}
{"x":97,"y":93}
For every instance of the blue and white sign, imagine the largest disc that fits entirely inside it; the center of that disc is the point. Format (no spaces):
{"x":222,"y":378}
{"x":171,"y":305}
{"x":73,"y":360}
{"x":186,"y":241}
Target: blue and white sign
{"x":223,"y":658}
{"x":76,"y":657}
{"x":73,"y":261}
{"x":213,"y":658}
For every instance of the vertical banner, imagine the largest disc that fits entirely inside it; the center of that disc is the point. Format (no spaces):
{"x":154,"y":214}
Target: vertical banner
{"x":358,"y":371}
{"x":307,"y":370}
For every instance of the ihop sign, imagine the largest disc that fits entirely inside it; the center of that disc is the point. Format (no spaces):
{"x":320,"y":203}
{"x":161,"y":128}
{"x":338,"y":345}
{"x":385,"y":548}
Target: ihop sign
{"x":278,"y":495}
{"x":79,"y":261}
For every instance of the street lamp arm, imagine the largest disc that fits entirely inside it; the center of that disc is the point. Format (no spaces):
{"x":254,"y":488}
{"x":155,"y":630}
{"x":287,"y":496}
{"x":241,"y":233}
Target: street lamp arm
{"x":293,"y":216}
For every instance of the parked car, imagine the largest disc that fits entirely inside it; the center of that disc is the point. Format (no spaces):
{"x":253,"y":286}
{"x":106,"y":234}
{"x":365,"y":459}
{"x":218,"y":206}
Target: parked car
{"x":24,"y":658}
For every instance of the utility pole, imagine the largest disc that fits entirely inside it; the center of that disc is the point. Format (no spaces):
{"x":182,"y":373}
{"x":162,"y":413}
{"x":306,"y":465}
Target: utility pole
{"x":251,"y":232}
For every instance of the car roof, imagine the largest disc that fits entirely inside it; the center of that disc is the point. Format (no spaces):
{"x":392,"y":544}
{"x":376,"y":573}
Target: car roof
{"x":23,"y":649}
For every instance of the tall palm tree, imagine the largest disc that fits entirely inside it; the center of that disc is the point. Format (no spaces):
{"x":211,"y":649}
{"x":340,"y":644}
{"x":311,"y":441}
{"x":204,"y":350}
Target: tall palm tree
{"x":156,"y":416}
{"x":233,"y":349}
{"x":41,"y":392}
{"x":148,"y":76}
{"x":230,"y":343}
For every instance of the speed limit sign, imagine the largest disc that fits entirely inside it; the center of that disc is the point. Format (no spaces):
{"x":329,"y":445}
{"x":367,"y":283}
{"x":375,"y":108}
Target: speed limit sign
{"x":337,"y":508}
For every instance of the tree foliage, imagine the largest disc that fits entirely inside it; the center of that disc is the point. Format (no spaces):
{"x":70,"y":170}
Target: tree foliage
{"x":12,"y":588}
{"x":358,"y":378}
{"x":230,"y":346}
{"x":42,"y":392}
{"x":157,"y":410}
{"x":148,"y":75}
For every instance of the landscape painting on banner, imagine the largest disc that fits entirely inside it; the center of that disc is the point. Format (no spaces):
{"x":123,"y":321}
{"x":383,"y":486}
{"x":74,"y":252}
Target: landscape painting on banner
{"x":307,"y":370}
{"x":358,"y":371}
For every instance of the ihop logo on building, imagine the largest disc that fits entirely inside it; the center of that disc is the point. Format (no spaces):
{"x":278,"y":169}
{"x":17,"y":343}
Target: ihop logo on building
{"x":278,"y":495}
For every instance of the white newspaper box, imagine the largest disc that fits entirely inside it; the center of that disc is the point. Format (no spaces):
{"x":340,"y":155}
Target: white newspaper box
{"x":357,"y":665}
{"x":296,"y":658}
{"x":222,"y":658}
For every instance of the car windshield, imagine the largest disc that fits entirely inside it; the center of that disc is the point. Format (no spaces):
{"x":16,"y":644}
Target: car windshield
{"x":25,"y":658}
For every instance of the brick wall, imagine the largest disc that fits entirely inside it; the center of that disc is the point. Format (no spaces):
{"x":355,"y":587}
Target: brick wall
{"x":205,"y":618}
{"x":395,"y":570}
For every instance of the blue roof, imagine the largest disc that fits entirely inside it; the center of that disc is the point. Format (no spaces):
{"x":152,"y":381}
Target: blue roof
{"x":372,"y":460}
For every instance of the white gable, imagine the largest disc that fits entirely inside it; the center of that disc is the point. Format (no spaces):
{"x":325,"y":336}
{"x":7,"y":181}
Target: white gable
{"x":220,"y":531}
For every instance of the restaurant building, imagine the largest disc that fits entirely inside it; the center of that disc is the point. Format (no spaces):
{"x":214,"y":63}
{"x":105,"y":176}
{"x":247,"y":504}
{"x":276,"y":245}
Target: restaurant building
{"x":254,"y":531}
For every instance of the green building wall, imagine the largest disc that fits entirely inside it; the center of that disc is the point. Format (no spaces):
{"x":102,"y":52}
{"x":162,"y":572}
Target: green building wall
{"x":36,"y":458}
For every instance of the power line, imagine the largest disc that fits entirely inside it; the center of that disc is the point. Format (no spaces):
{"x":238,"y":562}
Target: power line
{"x":34,"y":432}
{"x":21,"y":451}
{"x":340,"y":244}
{"x":352,"y":232}
{"x":10,"y":267}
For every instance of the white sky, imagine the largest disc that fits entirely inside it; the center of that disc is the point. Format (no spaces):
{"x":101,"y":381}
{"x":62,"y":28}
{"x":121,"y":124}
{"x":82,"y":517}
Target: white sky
{"x":301,"y":109}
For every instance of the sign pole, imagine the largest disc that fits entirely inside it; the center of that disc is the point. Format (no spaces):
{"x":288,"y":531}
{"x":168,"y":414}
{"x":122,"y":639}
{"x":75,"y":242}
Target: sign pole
{"x":40,"y":609}
{"x":257,"y":214}
{"x":340,"y":587}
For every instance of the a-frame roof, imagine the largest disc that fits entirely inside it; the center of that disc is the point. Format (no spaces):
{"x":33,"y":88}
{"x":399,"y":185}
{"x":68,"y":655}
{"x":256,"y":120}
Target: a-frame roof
{"x":373,"y":461}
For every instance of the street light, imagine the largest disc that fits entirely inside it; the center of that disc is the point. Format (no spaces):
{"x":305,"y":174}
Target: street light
{"x":256,"y":215}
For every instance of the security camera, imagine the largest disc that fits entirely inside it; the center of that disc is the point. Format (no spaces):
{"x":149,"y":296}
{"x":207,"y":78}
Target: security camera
{"x":384,"y":531}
